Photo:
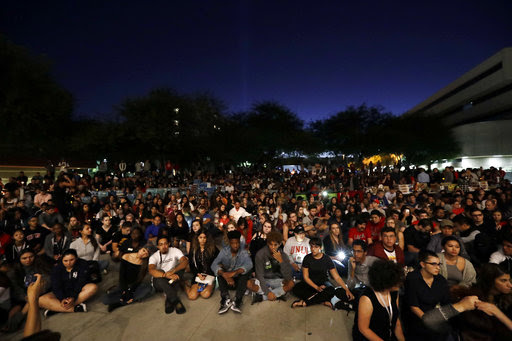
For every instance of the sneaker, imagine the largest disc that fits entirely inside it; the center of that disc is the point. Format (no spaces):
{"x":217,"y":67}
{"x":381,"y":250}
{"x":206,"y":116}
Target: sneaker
{"x":47,"y":313}
{"x":180,"y":308}
{"x":257,"y":298}
{"x":225,"y":303}
{"x":81,"y":308}
{"x":169,"y":307}
{"x":237,"y":307}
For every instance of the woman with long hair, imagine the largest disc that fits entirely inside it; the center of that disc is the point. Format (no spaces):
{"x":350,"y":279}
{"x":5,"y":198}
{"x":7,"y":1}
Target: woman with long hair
{"x":231,"y":226}
{"x":132,"y":270}
{"x":289,"y":225}
{"x":179,"y":230}
{"x":259,"y":240}
{"x":27,"y":264}
{"x":197,"y":226}
{"x":202,"y":254}
{"x":335,"y":248}
{"x":87,"y":248}
{"x":70,"y":287}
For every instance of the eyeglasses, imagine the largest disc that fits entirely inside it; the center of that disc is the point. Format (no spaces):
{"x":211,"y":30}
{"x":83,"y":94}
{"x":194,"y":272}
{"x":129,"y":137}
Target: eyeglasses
{"x":434,"y":264}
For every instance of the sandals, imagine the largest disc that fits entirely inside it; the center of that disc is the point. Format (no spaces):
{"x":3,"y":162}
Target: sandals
{"x":296,"y":305}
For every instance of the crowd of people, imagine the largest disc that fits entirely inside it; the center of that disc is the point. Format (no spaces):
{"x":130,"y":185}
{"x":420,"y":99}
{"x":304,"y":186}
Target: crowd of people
{"x":433,"y":263}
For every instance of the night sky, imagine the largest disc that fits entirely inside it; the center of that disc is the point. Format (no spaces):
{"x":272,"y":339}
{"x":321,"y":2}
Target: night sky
{"x":316,"y":57}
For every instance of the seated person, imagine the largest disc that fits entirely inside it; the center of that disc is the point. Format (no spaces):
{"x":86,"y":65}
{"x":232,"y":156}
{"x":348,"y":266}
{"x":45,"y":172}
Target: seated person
{"x":231,"y":226}
{"x":26,"y":265}
{"x":120,"y":237}
{"x":273,"y":271}
{"x":424,"y":290}
{"x":417,"y":237}
{"x":167,"y":266}
{"x":104,"y":234}
{"x":132,"y":270}
{"x":457,"y":270}
{"x":296,"y":248}
{"x":134,"y":243}
{"x":447,"y":229}
{"x":179,"y":230}
{"x":335,"y":248}
{"x":87,"y":248}
{"x":316,"y":288}
{"x":14,"y":248}
{"x":379,"y":304}
{"x":493,"y":318}
{"x":503,"y":256}
{"x":387,"y":248}
{"x":375,"y":224}
{"x":70,"y":289}
{"x":259,"y":240}
{"x":35,"y":235}
{"x":5,"y":241}
{"x":57,"y":242}
{"x":202,"y":254}
{"x":232,"y":267}
{"x":360,"y":231}
{"x":152,"y":230}
{"x":359,"y":265}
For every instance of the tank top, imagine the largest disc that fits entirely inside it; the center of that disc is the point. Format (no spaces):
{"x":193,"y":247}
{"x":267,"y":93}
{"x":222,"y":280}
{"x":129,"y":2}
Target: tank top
{"x":379,"y":322}
{"x":454,"y":275}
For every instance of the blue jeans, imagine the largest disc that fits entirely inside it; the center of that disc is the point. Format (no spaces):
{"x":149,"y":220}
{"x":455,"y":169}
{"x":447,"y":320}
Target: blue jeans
{"x":275,"y":286}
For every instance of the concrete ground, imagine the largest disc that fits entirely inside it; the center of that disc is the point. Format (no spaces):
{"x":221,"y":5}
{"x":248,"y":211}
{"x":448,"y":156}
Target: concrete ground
{"x":147,"y":321}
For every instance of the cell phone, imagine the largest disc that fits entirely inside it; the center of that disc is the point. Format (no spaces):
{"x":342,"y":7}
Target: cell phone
{"x":29,"y":279}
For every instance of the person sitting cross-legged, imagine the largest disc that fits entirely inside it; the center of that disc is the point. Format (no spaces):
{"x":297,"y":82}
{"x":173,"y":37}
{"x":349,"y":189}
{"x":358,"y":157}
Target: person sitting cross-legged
{"x":316,"y":288}
{"x":273,"y":271}
{"x":232,"y":267}
{"x":132,"y":270}
{"x":70,"y":289}
{"x":166,"y":266}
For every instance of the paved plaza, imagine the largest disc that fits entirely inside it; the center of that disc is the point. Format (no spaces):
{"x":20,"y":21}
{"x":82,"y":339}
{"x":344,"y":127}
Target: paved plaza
{"x":147,"y":321}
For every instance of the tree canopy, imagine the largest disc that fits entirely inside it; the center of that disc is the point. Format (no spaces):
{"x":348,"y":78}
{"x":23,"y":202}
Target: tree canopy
{"x":34,"y":109}
{"x":185,"y":128}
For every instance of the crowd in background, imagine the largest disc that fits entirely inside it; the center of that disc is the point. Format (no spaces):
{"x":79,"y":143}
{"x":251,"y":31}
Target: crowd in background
{"x":431,"y":263}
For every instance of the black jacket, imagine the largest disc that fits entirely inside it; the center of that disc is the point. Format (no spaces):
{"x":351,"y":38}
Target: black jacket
{"x":69,"y":284}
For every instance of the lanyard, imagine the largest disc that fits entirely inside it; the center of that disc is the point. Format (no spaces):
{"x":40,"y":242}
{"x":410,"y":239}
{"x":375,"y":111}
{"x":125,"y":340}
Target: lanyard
{"x":389,"y":310}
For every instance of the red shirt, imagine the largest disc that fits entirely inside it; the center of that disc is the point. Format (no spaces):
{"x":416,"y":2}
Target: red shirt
{"x":375,"y":228}
{"x":354,"y":234}
{"x":5,"y":239}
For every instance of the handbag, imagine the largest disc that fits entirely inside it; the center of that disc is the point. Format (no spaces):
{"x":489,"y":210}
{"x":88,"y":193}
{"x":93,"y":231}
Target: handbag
{"x":209,"y":279}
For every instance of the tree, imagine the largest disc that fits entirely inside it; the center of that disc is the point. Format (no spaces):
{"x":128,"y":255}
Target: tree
{"x":356,"y":130}
{"x":167,"y":125}
{"x":266,"y":131}
{"x":34,"y":109}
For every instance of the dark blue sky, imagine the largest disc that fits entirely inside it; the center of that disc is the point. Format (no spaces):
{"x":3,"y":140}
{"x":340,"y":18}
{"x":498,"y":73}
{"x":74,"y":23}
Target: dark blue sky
{"x":316,"y":57}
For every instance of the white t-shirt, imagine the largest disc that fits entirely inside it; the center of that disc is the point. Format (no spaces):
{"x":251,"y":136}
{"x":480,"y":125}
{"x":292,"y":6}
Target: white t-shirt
{"x":391,"y":255}
{"x":166,"y":261}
